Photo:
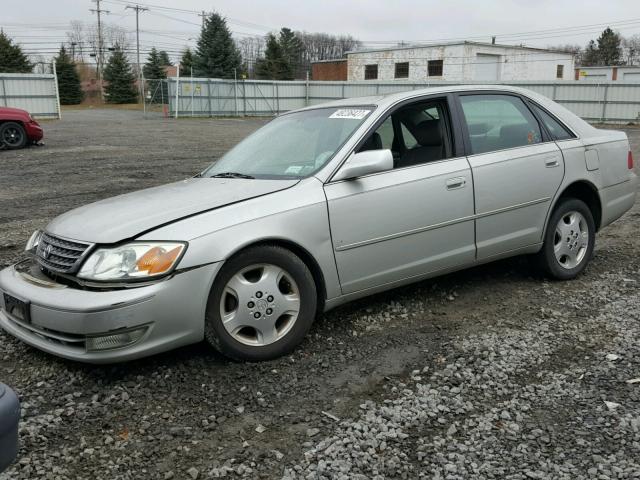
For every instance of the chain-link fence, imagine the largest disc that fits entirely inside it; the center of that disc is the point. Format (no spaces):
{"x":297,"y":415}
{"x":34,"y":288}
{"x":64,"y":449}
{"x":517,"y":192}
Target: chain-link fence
{"x":614,"y":102}
{"x":155,"y":95}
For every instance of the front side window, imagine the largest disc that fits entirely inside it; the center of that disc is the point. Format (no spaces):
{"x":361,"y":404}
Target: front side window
{"x":370,"y":72}
{"x":497,"y":122}
{"x":294,"y":145}
{"x":416,"y":133}
{"x":555,"y":128}
{"x":434,"y":68}
{"x":402,"y":70}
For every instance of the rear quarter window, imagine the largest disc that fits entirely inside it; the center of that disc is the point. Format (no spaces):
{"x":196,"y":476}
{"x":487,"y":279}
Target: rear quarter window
{"x":553,"y":126}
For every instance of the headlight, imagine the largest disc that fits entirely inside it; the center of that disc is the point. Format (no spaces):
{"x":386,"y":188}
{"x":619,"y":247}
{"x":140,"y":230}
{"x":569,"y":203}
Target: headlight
{"x":33,"y":241}
{"x":132,"y":261}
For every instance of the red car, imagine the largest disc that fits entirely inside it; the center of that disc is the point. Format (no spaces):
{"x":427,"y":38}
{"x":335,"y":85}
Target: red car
{"x":18,"y":129}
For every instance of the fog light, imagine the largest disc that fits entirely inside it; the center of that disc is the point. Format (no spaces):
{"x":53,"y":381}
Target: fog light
{"x":115,"y":340}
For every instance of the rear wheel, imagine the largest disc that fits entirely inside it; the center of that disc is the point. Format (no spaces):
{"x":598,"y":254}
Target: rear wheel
{"x":569,"y":240}
{"x":13,"y":135}
{"x":261,"y":305}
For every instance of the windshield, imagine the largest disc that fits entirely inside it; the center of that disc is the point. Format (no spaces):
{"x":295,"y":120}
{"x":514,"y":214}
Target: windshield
{"x":292,"y":146}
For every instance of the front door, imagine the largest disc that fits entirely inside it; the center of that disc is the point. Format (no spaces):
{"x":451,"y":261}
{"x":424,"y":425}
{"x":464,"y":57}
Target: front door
{"x":412,"y":220}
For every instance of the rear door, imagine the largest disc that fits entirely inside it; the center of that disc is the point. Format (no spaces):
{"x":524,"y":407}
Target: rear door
{"x":516,"y":169}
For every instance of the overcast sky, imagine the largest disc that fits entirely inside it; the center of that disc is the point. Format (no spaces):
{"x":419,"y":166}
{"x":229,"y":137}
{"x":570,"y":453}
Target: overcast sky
{"x":39,"y":25}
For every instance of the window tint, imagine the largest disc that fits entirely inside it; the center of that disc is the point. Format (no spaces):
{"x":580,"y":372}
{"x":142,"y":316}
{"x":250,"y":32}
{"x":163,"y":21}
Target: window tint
{"x":497,"y":122}
{"x":370,"y":72}
{"x":555,"y":128}
{"x":402,"y":70}
{"x":434,"y":68}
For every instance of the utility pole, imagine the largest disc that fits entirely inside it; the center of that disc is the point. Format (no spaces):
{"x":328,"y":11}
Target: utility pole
{"x":203,"y":15}
{"x":138,"y":9}
{"x":98,"y":11}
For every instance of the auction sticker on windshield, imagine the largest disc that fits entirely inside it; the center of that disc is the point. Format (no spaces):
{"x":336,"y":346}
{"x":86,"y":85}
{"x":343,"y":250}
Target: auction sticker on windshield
{"x":350,"y":113}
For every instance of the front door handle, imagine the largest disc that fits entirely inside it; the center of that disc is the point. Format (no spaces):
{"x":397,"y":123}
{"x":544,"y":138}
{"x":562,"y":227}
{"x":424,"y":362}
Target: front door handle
{"x":456,"y":182}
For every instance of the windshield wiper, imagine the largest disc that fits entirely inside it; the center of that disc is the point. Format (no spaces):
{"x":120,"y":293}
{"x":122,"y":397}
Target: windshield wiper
{"x":231,"y":175}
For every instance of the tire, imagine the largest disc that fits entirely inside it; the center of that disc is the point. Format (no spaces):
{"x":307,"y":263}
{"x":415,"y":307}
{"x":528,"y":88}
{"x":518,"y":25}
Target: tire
{"x":261,"y":305}
{"x":569,"y":240}
{"x":13,"y":135}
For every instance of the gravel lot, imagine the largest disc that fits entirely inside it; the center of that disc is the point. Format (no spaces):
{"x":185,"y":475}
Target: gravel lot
{"x":489,"y":373}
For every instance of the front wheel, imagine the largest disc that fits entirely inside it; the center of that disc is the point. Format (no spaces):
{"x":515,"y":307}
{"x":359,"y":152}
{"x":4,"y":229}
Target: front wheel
{"x":569,"y":240}
{"x":261,"y":305}
{"x":13,"y":135}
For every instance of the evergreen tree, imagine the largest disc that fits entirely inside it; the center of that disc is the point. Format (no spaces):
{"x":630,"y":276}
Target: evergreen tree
{"x":273,"y":66}
{"x":120,"y":86}
{"x":154,"y":73}
{"x":164,"y":58}
{"x":68,"y":79}
{"x":609,"y":51}
{"x":12,"y":59}
{"x":154,"y":68}
{"x":590,"y":55}
{"x":216,"y":53}
{"x":292,"y":48}
{"x":186,"y":62}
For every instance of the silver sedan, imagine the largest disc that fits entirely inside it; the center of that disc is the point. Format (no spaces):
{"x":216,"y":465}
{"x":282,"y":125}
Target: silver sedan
{"x":321,"y":206}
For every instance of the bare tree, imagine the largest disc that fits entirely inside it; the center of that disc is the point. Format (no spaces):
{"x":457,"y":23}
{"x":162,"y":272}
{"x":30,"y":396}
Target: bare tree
{"x":323,"y":46}
{"x":40,"y":64}
{"x":112,"y":35}
{"x":75,"y":39}
{"x":251,"y":48}
{"x":631,"y":49}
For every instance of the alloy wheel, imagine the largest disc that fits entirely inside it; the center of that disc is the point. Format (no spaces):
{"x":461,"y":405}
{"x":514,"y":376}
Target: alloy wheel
{"x":260,"y":304}
{"x":571,"y":240}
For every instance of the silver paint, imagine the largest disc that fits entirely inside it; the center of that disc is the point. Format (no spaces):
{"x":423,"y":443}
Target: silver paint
{"x":364,"y":235}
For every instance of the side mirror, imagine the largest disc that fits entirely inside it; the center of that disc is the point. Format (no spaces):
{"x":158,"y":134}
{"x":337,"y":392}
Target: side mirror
{"x":365,"y":163}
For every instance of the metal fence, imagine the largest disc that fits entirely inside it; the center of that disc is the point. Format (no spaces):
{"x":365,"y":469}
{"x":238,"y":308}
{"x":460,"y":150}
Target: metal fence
{"x":35,"y":92}
{"x":614,"y":102}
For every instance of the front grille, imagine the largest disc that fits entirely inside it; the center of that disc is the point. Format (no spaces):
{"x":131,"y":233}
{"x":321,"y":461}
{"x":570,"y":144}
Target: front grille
{"x":60,"y":255}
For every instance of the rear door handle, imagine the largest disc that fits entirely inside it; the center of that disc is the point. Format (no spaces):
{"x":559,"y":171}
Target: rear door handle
{"x":456,"y":182}
{"x":551,"y":162}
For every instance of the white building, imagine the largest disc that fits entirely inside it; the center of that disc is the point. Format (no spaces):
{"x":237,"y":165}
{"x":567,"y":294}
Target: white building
{"x":460,"y":62}
{"x":624,"y":73}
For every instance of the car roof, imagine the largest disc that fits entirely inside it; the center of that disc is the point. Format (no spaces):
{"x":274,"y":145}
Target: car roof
{"x":391,"y":98}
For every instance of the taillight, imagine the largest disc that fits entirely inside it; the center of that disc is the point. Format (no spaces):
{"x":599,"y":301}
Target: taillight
{"x":630,"y":160}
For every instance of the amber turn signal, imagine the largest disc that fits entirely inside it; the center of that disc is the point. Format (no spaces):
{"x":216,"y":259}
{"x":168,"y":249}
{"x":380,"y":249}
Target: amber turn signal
{"x":158,"y":260}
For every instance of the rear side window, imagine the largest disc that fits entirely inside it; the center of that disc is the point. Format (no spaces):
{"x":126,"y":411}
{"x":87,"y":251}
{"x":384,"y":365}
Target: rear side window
{"x":498,"y":122}
{"x":555,"y":128}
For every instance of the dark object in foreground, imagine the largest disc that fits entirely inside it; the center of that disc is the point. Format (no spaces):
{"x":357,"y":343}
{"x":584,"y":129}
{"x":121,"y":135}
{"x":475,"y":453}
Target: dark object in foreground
{"x":9,"y":417}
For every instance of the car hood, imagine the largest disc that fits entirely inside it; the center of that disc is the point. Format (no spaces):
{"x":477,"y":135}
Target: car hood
{"x":127,"y":216}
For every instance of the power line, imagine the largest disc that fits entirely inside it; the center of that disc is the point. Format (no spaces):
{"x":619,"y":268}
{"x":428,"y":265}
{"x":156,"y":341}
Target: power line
{"x":199,"y":13}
